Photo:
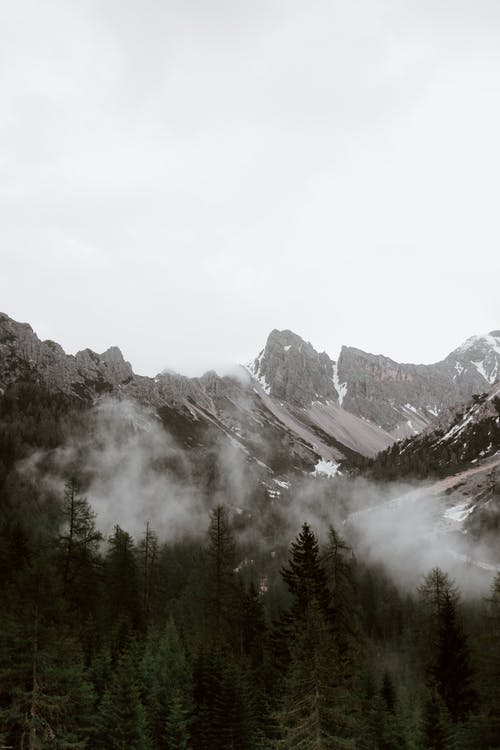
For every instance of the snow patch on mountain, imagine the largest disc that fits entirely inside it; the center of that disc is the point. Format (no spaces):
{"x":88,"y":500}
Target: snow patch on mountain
{"x":458,"y":512}
{"x":326,"y":468}
{"x":341,"y":388}
{"x":254,"y":368}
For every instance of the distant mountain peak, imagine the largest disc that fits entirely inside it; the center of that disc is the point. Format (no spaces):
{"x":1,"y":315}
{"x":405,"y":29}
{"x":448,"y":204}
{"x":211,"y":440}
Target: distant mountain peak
{"x":481,"y":352}
{"x":291,"y":370}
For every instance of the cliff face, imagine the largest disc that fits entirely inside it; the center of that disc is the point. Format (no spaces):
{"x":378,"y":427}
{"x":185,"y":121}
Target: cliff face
{"x":86,"y":374}
{"x":403,"y":398}
{"x":291,"y":370}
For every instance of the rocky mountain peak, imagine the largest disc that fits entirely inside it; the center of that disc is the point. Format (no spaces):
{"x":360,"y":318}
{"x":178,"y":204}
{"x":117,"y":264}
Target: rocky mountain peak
{"x":117,"y":369}
{"x":291,"y":370}
{"x":481,"y":354}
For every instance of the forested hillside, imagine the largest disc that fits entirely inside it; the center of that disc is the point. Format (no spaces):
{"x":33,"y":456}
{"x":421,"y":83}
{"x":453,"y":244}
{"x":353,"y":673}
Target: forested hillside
{"x":220,"y":640}
{"x":458,"y":437}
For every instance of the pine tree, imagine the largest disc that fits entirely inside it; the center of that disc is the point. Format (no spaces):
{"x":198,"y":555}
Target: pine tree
{"x":490,"y":651}
{"x":316,"y":708}
{"x":147,"y":554}
{"x":223,"y":599}
{"x":45,"y":696}
{"x":436,"y":723}
{"x":176,"y":734}
{"x":381,"y":727}
{"x":451,"y":671}
{"x":207,"y":680}
{"x":343,"y":609}
{"x":80,"y":538}
{"x":165,"y":678}
{"x":122,"y":718}
{"x":305,"y":575}
{"x":254,"y":627}
{"x":448,"y":670}
{"x":122,"y":584}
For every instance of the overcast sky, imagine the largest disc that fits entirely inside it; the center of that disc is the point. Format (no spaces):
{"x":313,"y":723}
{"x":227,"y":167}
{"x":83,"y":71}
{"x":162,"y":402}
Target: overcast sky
{"x":178,"y":177}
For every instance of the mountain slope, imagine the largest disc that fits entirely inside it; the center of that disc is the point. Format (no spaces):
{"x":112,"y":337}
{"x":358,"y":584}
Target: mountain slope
{"x":400,"y":399}
{"x":461,"y":435}
{"x":404,"y":398}
{"x":291,"y":407}
{"x":208,"y":408}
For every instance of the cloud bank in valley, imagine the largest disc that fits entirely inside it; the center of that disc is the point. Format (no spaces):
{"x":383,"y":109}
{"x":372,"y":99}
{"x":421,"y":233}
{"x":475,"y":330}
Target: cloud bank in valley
{"x":133,"y":471}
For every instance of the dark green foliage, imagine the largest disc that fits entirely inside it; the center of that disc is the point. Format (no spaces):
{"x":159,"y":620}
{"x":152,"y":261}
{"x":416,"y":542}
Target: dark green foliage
{"x":316,"y":711}
{"x":122,"y":718}
{"x":224,"y":594}
{"x":305,"y":575}
{"x":147,"y":556}
{"x":388,"y":693}
{"x":449,"y":672}
{"x":176,"y":733}
{"x":319,"y":706}
{"x":45,"y":695}
{"x":254,"y":627}
{"x":166,"y":680}
{"x":489,"y":664}
{"x":436,"y":723}
{"x":79,"y":538}
{"x":381,"y":728}
{"x":141,"y":643}
{"x":430,"y":454}
{"x":122,"y":582}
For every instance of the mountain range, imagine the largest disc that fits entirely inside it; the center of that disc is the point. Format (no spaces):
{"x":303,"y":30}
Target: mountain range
{"x":291,"y":403}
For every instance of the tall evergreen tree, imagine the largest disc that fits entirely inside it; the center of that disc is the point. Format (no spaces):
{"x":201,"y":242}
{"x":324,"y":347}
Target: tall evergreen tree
{"x":166,"y":679}
{"x":254,"y":627}
{"x":305,"y":575}
{"x":490,"y":658}
{"x":79,"y":537}
{"x":148,"y":560}
{"x":122,"y":718}
{"x":122,"y":585}
{"x":338,"y":562}
{"x":45,"y":696}
{"x":224,"y":592}
{"x":316,"y":709}
{"x":176,"y":733}
{"x":448,"y":672}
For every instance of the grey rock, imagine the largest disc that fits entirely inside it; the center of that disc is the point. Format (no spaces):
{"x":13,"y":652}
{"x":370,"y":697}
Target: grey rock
{"x":404,"y":398}
{"x":291,"y":370}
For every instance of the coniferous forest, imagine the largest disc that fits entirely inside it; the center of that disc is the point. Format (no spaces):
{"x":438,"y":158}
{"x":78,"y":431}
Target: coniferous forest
{"x":130,"y":642}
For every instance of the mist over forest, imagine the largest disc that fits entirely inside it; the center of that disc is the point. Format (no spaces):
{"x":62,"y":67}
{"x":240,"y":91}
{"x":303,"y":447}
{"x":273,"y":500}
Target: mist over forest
{"x":188,"y":597}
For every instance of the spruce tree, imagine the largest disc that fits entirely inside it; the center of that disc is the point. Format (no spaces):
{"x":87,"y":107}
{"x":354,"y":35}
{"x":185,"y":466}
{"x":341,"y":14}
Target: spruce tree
{"x":316,"y":708}
{"x":448,"y":667}
{"x":79,"y":538}
{"x":122,"y":585}
{"x":45,"y":696}
{"x":490,"y":656}
{"x":223,"y":590}
{"x":147,"y":555}
{"x":254,"y":627}
{"x":122,"y":718}
{"x":176,"y":735}
{"x":165,"y":679}
{"x":305,"y":575}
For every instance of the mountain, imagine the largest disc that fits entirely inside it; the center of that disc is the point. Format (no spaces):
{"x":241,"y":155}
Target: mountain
{"x":460,"y":436}
{"x":198,"y":412}
{"x":400,"y":399}
{"x":291,"y":407}
{"x":458,"y":457}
